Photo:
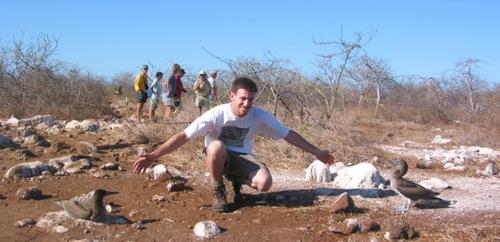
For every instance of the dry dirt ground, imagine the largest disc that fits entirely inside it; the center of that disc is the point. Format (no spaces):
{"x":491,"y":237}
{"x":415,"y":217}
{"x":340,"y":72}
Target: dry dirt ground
{"x":294,"y":210}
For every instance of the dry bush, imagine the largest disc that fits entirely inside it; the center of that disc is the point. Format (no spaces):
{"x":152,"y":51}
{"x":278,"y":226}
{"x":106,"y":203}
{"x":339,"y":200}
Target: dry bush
{"x":32,"y":83}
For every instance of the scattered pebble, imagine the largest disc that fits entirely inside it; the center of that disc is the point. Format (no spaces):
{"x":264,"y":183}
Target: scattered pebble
{"x":25,"y":222}
{"x":29,"y":193}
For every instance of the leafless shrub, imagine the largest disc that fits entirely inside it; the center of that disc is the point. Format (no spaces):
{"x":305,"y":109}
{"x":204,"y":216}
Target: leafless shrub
{"x":32,"y":83}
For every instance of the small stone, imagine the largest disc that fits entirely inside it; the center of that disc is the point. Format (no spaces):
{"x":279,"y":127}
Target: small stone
{"x":369,"y":226}
{"x":175,"y":186}
{"x":111,"y":209}
{"x":85,"y":148}
{"x":141,"y":151}
{"x":29,"y":193}
{"x":206,"y":229}
{"x":343,"y":203}
{"x":158,"y":198}
{"x":110,"y":166}
{"x":138,"y":225}
{"x":31,"y":139}
{"x":133,"y":213}
{"x":160,"y":173}
{"x":347,"y":227}
{"x":24,"y":132}
{"x":25,"y":222}
{"x":400,"y":231}
{"x":456,"y":168}
{"x":257,"y":221}
{"x":448,"y":165}
{"x":43,"y":143}
{"x":491,"y":169}
{"x":60,"y":229}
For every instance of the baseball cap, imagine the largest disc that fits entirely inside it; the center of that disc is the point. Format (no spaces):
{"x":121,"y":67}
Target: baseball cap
{"x":202,"y":72}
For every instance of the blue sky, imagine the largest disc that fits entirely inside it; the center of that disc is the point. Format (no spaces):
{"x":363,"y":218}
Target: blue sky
{"x":108,"y":37}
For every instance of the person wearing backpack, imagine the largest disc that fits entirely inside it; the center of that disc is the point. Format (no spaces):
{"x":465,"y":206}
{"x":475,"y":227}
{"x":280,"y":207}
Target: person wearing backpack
{"x":154,"y":93}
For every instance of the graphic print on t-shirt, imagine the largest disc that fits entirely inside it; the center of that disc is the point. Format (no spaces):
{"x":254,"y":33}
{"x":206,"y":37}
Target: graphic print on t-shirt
{"x":233,"y":136}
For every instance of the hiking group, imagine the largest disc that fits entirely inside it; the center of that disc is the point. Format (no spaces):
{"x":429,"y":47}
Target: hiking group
{"x":170,"y":91}
{"x":231,"y":130}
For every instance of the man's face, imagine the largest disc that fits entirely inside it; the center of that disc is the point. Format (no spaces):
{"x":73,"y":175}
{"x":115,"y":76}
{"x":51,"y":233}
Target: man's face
{"x":241,"y":102}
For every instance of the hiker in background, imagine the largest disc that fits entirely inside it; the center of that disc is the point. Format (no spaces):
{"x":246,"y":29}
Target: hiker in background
{"x":213,"y":95}
{"x":202,"y":90}
{"x":169,"y":91}
{"x":180,"y":89}
{"x":154,"y":93}
{"x":141,"y":89}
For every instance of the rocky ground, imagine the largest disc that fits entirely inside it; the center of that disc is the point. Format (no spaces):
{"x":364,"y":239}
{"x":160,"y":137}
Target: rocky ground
{"x":77,"y":157}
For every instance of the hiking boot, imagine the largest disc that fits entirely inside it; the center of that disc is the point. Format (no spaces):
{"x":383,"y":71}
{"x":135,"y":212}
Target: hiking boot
{"x":219,"y":204}
{"x":234,"y":193}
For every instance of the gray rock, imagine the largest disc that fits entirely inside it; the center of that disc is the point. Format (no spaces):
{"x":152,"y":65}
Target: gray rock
{"x":31,"y":139}
{"x":206,"y":229}
{"x":43,"y":143}
{"x":343,"y":203}
{"x":175,"y":186}
{"x":29,"y":169}
{"x":25,"y":222}
{"x":89,"y":125}
{"x":24,"y":132}
{"x":6,"y":141}
{"x":24,"y":154}
{"x":29,"y":193}
{"x":46,"y":119}
{"x":161,"y":173}
{"x":41,"y":127}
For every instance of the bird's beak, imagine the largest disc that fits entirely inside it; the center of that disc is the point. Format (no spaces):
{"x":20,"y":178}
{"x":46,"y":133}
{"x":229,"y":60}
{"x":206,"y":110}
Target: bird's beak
{"x":110,"y":193}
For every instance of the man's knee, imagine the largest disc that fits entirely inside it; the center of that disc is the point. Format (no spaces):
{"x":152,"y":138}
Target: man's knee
{"x":215,"y":152}
{"x":263,"y":180}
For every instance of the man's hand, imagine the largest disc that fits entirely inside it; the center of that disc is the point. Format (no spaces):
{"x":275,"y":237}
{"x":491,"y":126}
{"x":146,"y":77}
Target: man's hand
{"x":325,"y":157}
{"x":143,"y":162}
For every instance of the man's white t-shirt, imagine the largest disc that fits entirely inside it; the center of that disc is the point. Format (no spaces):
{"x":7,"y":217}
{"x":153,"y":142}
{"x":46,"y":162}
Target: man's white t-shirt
{"x":237,"y":134}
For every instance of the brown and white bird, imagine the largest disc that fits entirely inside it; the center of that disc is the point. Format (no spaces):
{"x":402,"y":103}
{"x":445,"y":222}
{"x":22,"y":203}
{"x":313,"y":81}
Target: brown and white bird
{"x":411,"y":191}
{"x":88,"y":206}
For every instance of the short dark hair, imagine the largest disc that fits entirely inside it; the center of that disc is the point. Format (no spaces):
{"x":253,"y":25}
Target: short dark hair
{"x":244,"y":83}
{"x":159,"y":74}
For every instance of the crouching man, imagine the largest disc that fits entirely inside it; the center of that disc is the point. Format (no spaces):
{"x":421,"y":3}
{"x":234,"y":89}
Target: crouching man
{"x":232,"y":128}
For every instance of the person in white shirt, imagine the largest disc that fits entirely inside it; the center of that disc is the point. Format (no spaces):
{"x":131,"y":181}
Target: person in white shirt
{"x":231,"y":130}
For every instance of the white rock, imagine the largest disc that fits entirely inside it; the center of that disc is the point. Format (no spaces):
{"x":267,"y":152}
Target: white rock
{"x":60,"y":229}
{"x":74,"y":124}
{"x":362,"y":175}
{"x":160,"y":173}
{"x":448,"y":165}
{"x":456,"y":168}
{"x":490,"y":169}
{"x":89,"y":125}
{"x":318,"y":171}
{"x":12,"y":121}
{"x":41,"y":126}
{"x":438,"y":139}
{"x":206,"y":229}
{"x":111,"y":209}
{"x":31,"y":139}
{"x":434,"y":183}
{"x":336,"y":167}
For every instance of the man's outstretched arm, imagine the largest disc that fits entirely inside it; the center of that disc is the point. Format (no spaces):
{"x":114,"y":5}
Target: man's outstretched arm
{"x":170,"y":145}
{"x":297,"y":140}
